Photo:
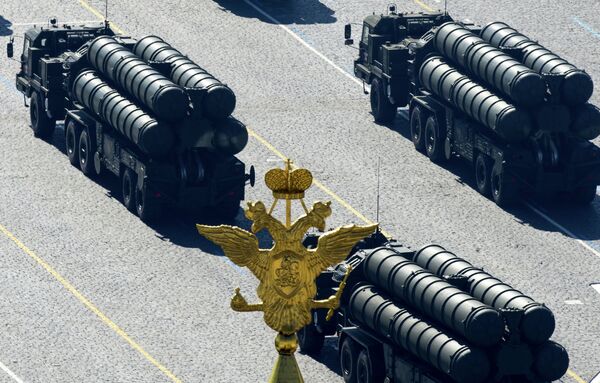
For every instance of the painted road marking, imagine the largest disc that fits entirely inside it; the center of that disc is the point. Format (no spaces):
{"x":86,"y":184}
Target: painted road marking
{"x":563,"y":229}
{"x":573,"y":302}
{"x":87,"y":303}
{"x":587,"y":27}
{"x":11,"y":374}
{"x":596,"y":286}
{"x":301,"y":41}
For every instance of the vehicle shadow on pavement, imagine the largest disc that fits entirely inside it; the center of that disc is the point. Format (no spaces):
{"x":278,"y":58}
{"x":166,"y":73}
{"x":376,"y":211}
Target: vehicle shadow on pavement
{"x":583,"y":222}
{"x":286,"y":12}
{"x":177,"y":226}
{"x":180,"y":229}
{"x":5,"y":26}
{"x":329,"y":355}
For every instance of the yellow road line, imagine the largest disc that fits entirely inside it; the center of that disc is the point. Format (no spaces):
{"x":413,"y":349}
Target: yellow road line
{"x":67,"y":285}
{"x":575,"y":377}
{"x":420,"y":3}
{"x":571,"y":373}
{"x":99,"y":15}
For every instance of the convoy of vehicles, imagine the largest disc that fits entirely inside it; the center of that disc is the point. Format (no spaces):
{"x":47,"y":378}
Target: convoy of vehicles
{"x":518,"y":113}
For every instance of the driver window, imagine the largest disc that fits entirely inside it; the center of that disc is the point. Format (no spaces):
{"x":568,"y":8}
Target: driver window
{"x":365,"y":34}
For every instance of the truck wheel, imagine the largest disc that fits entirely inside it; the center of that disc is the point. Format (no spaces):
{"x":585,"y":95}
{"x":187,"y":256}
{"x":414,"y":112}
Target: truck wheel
{"x":504,"y":190}
{"x":416,"y":128}
{"x":148,"y":207}
{"x":583,"y":195}
{"x":365,"y":372}
{"x":72,"y":133}
{"x":381,"y":107}
{"x":128,"y":182}
{"x":434,"y":140}
{"x":483,"y":171}
{"x":41,"y":124}
{"x":226,"y":210}
{"x":310,"y":340}
{"x":86,"y":152}
{"x":348,"y":358}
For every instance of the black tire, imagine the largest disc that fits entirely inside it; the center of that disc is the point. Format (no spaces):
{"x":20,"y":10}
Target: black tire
{"x":483,"y":173}
{"x":381,"y":107}
{"x":72,"y":133}
{"x":41,"y":124}
{"x":310,"y":340}
{"x":434,"y":140}
{"x":85,"y":153}
{"x":148,"y":207}
{"x":128,"y":187}
{"x":583,"y":195}
{"x":416,"y":128}
{"x":348,"y":358}
{"x":364,"y":370}
{"x":504,"y":190}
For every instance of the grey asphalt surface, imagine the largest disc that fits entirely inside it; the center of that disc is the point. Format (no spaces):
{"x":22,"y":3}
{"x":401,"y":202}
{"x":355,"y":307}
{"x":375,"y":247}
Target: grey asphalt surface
{"x":169,"y":289}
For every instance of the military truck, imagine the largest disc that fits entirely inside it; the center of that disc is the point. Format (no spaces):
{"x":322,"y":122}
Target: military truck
{"x":515,"y":111}
{"x":428,"y":316}
{"x":140,"y":110}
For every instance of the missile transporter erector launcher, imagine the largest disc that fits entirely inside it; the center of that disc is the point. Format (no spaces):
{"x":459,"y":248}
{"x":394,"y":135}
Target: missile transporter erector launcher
{"x":513,"y":109}
{"x":429,"y":316}
{"x":171,"y":143}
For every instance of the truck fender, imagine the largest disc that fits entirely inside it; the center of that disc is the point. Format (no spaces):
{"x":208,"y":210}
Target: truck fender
{"x":360,"y":337}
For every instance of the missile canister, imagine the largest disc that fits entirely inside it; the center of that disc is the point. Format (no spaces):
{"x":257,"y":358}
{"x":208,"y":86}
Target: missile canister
{"x":551,"y":361}
{"x":231,"y":136}
{"x":522,"y":85}
{"x":537,"y":324}
{"x":167,"y":100}
{"x":151,"y":136}
{"x":586,"y":122}
{"x":479,"y":323}
{"x":461,"y":362}
{"x":504,"y":119}
{"x":577,"y":86}
{"x":219,"y":100}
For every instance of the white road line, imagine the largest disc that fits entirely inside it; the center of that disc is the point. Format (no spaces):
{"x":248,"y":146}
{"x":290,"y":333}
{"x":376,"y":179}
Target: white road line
{"x":11,"y":374}
{"x":596,"y":286}
{"x":357,"y":81}
{"x":301,"y":41}
{"x":563,"y":229}
{"x":573,"y":302}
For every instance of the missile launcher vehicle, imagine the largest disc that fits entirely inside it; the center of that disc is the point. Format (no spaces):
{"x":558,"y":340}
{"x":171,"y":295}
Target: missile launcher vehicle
{"x":518,"y":113}
{"x":139,"y":110}
{"x":429,"y":316}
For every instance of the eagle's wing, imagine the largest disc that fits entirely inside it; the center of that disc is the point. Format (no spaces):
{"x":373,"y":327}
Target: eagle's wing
{"x":238,"y":245}
{"x":334,"y":246}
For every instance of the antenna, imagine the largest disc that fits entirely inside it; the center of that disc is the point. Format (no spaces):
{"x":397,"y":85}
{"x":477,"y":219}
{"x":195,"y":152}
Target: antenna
{"x":445,"y":7}
{"x":378,"y":167}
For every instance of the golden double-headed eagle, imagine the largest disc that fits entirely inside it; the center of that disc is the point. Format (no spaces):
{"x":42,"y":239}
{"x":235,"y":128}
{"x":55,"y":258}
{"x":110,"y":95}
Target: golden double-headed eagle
{"x":288,"y":270}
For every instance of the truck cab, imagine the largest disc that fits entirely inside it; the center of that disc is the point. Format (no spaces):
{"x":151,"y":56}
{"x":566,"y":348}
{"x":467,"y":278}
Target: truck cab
{"x":383,"y":57}
{"x":40,"y":77}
